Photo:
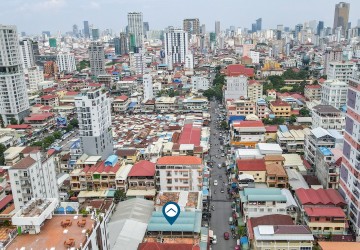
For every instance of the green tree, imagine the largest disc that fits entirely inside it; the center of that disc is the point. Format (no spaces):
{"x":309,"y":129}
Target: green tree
{"x":292,"y":119}
{"x":37,"y":144}
{"x":119,"y":195}
{"x":2,"y":150}
{"x":304,"y":112}
{"x":57,"y":135}
{"x":69,"y":128}
{"x":13,"y":121}
{"x":74,"y":122}
{"x":224,"y":125}
{"x":83,"y":65}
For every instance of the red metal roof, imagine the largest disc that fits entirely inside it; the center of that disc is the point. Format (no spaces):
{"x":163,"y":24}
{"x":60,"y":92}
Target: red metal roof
{"x":190,"y":135}
{"x":280,"y":103}
{"x":39,"y":117}
{"x":325,"y":212}
{"x":251,"y":165}
{"x":101,"y":168}
{"x":122,"y":97}
{"x":248,"y":124}
{"x":319,"y":197}
{"x":20,"y":126}
{"x":6,"y":200}
{"x":238,"y":69}
{"x":48,"y":97}
{"x":313,"y":86}
{"x":179,"y":160}
{"x":271,"y":128}
{"x":142,"y":168}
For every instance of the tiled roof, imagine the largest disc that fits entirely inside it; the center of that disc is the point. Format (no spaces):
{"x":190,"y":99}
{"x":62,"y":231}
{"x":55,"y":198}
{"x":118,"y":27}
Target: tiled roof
{"x":30,"y":149}
{"x":122,"y":98}
{"x":313,"y":86}
{"x":238,"y":69}
{"x":319,"y":197}
{"x":325,"y":212}
{"x":291,"y":229}
{"x":190,"y":135}
{"x":275,"y":169}
{"x":274,"y":158}
{"x":251,"y":165}
{"x":142,"y":168}
{"x":280,"y":103}
{"x":20,"y":126}
{"x":125,"y":152}
{"x":272,"y":219}
{"x":271,"y":128}
{"x":24,"y":163}
{"x":101,"y":168}
{"x":179,"y":160}
{"x":48,"y":97}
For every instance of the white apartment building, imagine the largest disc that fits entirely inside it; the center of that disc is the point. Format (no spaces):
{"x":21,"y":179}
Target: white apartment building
{"x":14,"y":103}
{"x":148,"y":87}
{"x":200,"y":83}
{"x":97,"y":58}
{"x":93,"y":109}
{"x":327,"y":117}
{"x":66,"y":62}
{"x":137,"y":62}
{"x":254,"y":90}
{"x":236,"y":87}
{"x":334,"y":93}
{"x":176,"y":45}
{"x":195,"y":104}
{"x":332,"y":55}
{"x":136,"y":27}
{"x":32,"y":175}
{"x":255,"y":56}
{"x":35,"y":76}
{"x":189,"y":61}
{"x":179,"y":173}
{"x":166,"y":104}
{"x":342,"y":71}
{"x":27,"y":53}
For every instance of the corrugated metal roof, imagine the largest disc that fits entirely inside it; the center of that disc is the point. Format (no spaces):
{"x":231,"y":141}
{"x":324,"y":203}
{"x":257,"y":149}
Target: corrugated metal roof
{"x":266,"y":198}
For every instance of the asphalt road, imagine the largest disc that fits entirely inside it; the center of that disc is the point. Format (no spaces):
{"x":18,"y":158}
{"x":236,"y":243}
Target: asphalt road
{"x":220,"y":217}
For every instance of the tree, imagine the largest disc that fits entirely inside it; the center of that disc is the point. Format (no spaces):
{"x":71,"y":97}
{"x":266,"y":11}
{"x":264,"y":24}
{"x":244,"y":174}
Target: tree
{"x":2,"y":150}
{"x":13,"y":121}
{"x":57,"y":135}
{"x":292,"y":119}
{"x":37,"y":144}
{"x":69,"y":128}
{"x":304,"y":112}
{"x":224,"y":125}
{"x":119,"y":195}
{"x":74,"y":122}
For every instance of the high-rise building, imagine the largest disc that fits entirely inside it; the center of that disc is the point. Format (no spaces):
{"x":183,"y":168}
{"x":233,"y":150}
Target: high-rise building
{"x":253,"y":27}
{"x":217,"y":28}
{"x":298,"y":28}
{"x":137,"y":61}
{"x":258,"y":24}
{"x":52,"y":42}
{"x":86,"y":29}
{"x":331,"y":55}
{"x":75,"y":30}
{"x":136,"y":27}
{"x":66,"y":62}
{"x":14,"y":103}
{"x":148,"y":87}
{"x":95,"y":34}
{"x":146,"y":28}
{"x":320,"y":27}
{"x":236,"y":87}
{"x":93,"y":110}
{"x":341,"y":16}
{"x":97,"y":58}
{"x":350,"y":166}
{"x":33,"y":175}
{"x":35,"y":76}
{"x":334,"y":93}
{"x":203,"y":29}
{"x":27,"y":53}
{"x":176,"y":45}
{"x":124,"y":44}
{"x":340,"y":70}
{"x":191,"y":26}
{"x":189,"y":61}
{"x":116,"y":41}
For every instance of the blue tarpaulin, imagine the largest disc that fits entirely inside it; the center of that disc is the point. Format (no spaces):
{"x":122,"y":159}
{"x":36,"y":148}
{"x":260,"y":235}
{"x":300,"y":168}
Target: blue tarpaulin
{"x":236,"y":118}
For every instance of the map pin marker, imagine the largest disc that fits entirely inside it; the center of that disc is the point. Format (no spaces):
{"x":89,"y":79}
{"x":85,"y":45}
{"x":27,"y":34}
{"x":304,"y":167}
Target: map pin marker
{"x":171,"y":212}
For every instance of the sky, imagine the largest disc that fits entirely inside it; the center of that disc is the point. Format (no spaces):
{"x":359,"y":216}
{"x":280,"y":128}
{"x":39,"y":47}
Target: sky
{"x":34,"y":16}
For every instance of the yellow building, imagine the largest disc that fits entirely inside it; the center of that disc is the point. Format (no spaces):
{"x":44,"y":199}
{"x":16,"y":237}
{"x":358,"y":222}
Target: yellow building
{"x":254,"y":167}
{"x":280,"y":109}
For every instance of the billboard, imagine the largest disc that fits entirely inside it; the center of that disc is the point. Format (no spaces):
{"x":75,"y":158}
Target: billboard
{"x":61,"y":122}
{"x":162,"y":53}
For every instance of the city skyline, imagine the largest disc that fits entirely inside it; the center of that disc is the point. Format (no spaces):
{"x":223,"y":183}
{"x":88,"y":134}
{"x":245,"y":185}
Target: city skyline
{"x":60,"y":15}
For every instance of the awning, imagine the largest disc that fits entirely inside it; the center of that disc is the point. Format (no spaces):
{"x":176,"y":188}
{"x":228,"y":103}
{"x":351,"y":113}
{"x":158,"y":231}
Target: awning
{"x":7,"y":199}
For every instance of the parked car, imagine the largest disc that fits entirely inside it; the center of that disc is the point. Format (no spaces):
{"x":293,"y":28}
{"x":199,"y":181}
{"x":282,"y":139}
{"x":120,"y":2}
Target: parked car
{"x":215,"y":182}
{"x":214,"y":239}
{"x":222,"y":190}
{"x":226,"y":235}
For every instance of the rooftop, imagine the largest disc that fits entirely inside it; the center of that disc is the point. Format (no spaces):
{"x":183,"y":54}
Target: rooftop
{"x":142,"y":168}
{"x":331,"y":245}
{"x":53,"y":235}
{"x":319,"y":197}
{"x":251,"y":165}
{"x":179,"y":160}
{"x":24,"y":163}
{"x":324,"y":109}
{"x":325,"y":212}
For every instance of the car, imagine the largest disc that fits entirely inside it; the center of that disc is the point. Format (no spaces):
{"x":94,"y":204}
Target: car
{"x":226,"y":235}
{"x":214,"y":239}
{"x":222,"y":190}
{"x":222,"y":155}
{"x":219,"y":165}
{"x":215,"y":182}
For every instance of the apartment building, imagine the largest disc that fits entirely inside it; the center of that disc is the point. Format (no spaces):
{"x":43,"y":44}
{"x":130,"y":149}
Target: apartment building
{"x":341,"y":71}
{"x":141,"y":180}
{"x":166,"y":104}
{"x":256,"y":202}
{"x":255,"y":90}
{"x":35,"y":76}
{"x":247,"y":133}
{"x":317,"y":137}
{"x":32,"y":175}
{"x":312,"y":92}
{"x":334,"y":93}
{"x":326,"y":220}
{"x":236,"y":87}
{"x":261,"y":109}
{"x":292,"y":237}
{"x":242,"y":107}
{"x":179,"y":173}
{"x":349,"y":172}
{"x":66,"y":62}
{"x":195,"y":104}
{"x":253,"y":167}
{"x":120,"y":104}
{"x":200,"y":83}
{"x":327,"y":168}
{"x":327,"y":117}
{"x":276,"y":176}
{"x":280,"y":109}
{"x":291,"y":140}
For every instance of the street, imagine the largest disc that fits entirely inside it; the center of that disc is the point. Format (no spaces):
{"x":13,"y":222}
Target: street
{"x":220,"y":217}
